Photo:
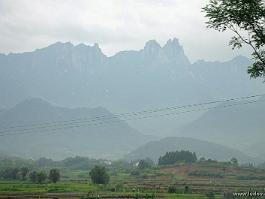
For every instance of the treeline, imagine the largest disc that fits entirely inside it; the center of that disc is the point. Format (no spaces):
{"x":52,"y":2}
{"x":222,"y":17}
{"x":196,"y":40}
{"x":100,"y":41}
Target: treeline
{"x":177,"y":156}
{"x":72,"y":163}
{"x":24,"y":173}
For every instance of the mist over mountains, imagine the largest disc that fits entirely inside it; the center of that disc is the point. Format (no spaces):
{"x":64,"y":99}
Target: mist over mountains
{"x":35,"y":128}
{"x":155,"y":149}
{"x":156,"y":76}
{"x":82,"y":75}
{"x":238,"y":126}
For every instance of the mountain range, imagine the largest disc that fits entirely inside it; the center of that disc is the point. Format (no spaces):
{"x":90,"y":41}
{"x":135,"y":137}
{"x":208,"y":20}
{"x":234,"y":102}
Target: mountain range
{"x":208,"y":150}
{"x":70,"y":76}
{"x":34,"y":128}
{"x":238,"y":124}
{"x":155,"y":76}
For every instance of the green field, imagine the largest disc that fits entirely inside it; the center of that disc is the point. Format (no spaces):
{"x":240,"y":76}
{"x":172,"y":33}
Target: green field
{"x":189,"y":180}
{"x":77,"y":190}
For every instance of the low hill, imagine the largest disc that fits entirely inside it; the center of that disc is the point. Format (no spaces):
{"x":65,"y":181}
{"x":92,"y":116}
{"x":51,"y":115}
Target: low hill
{"x":155,"y":149}
{"x":240,"y":126}
{"x":34,"y":128}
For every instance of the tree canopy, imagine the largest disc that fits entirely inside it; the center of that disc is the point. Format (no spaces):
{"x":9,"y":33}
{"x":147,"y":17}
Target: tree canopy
{"x":54,"y":175}
{"x":38,"y":177}
{"x":145,"y":163}
{"x":99,"y":175}
{"x":178,"y":156}
{"x":246,"y":19}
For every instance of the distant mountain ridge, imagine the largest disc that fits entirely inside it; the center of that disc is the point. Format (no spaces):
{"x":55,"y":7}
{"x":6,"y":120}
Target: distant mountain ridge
{"x":92,"y":79}
{"x":240,"y":126}
{"x":43,"y":130}
{"x":155,"y":149}
{"x":155,"y":76}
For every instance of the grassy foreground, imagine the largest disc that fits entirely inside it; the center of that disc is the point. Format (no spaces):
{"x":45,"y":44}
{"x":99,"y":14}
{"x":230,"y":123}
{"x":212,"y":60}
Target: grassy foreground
{"x":190,"y":181}
{"x":77,"y":190}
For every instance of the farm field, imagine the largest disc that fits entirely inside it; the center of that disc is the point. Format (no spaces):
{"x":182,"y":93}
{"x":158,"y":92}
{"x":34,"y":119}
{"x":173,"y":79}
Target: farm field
{"x":187,"y":180}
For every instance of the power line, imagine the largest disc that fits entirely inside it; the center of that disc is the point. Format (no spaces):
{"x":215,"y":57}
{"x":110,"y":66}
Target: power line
{"x":115,"y":116}
{"x":139,"y":118}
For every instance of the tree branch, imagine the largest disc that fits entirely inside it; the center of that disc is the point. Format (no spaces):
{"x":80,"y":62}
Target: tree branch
{"x":231,"y":27}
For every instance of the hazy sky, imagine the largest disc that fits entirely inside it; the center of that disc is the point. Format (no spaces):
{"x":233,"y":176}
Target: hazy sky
{"x":114,"y":24}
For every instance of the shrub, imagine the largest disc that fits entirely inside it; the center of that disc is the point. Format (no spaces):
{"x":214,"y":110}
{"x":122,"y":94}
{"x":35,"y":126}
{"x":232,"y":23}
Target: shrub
{"x":38,"y":177}
{"x":210,"y":195}
{"x":172,"y":189}
{"x":33,"y":176}
{"x":41,"y":177}
{"x":187,"y":189}
{"x":99,"y":175}
{"x":54,"y":175}
{"x":145,"y":164}
{"x":178,"y":156}
{"x":135,"y":173}
{"x":10,"y":174}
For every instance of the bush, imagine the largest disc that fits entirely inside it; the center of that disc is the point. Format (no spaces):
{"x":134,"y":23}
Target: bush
{"x":24,"y":172}
{"x":41,"y":177}
{"x":37,"y":177}
{"x":135,"y":173}
{"x":187,"y":189}
{"x":210,"y":195}
{"x":33,"y":176}
{"x":178,"y":156}
{"x":172,"y":189}
{"x":99,"y":175}
{"x":145,"y":164}
{"x":54,"y":175}
{"x":10,"y":174}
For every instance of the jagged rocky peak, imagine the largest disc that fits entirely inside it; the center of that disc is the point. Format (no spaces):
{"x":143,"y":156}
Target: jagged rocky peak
{"x":151,"y":51}
{"x":61,"y":45}
{"x":172,"y":47}
{"x":82,"y":45}
{"x":152,"y":47}
{"x":152,"y":44}
{"x":95,"y":49}
{"x":174,"y":51}
{"x":57,"y":49}
{"x":172,"y":43}
{"x":69,"y":46}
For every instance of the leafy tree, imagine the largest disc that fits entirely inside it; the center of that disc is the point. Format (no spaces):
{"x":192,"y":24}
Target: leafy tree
{"x":24,"y":172}
{"x":41,"y":177}
{"x":246,"y":19}
{"x":210,"y":195}
{"x":54,"y":175}
{"x":33,"y":176}
{"x":37,"y":177}
{"x":10,"y":173}
{"x":135,"y":172}
{"x":178,"y":156}
{"x":172,"y":189}
{"x":187,"y":189}
{"x":99,"y":175}
{"x":145,"y":164}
